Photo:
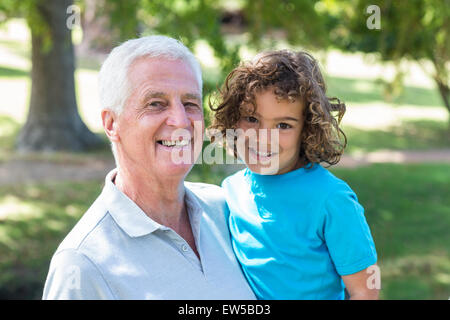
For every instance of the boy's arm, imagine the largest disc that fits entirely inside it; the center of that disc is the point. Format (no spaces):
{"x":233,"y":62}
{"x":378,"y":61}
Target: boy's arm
{"x":363,"y":285}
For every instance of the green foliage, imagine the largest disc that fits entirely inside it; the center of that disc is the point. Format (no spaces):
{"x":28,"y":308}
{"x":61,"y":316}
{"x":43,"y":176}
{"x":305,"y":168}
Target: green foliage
{"x":264,"y":24}
{"x":28,"y":9}
{"x":415,"y":29}
{"x":298,"y":20}
{"x":190,"y":21}
{"x":123,"y":16}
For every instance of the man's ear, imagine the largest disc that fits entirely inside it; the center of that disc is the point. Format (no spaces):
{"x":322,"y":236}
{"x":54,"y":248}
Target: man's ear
{"x":109,"y":121}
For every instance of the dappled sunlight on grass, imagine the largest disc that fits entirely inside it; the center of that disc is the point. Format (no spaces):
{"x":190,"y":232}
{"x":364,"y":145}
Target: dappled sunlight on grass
{"x":408,"y":135}
{"x":35,"y":219}
{"x":14,"y":208}
{"x":416,"y":277}
{"x":355,"y":91}
{"x":9,"y":129}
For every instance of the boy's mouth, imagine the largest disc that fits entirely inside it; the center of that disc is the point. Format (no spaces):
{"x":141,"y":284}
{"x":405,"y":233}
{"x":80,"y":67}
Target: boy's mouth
{"x":261,"y":156}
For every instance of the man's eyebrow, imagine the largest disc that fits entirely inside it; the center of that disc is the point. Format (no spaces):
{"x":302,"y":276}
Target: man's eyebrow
{"x":193,"y":96}
{"x":154,"y":94}
{"x":158,"y":94}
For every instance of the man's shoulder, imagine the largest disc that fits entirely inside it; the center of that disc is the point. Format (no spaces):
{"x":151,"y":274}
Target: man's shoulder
{"x":88,"y":224}
{"x":210,"y":197}
{"x":209,"y":193}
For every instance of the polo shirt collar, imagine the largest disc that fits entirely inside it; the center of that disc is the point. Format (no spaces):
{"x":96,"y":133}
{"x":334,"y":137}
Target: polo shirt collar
{"x":127,"y":214}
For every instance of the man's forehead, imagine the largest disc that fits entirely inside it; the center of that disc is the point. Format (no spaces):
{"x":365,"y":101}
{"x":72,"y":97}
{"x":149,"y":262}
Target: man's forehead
{"x":162,"y":74}
{"x":160,"y":65}
{"x":162,"y":94}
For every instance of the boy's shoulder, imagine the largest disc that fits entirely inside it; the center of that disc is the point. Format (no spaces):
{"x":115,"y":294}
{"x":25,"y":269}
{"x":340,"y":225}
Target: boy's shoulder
{"x":318,"y":183}
{"x":328,"y":177}
{"x":333,"y":186}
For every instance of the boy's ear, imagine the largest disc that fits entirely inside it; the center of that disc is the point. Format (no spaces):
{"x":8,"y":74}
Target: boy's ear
{"x":109,"y":121}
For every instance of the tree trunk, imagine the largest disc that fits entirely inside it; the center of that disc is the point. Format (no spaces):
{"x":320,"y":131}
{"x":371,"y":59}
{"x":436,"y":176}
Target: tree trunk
{"x":53,"y":122}
{"x":99,"y":35}
{"x":444,"y":91}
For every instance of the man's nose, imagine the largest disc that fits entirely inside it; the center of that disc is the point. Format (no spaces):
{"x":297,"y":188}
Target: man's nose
{"x":178,"y":117}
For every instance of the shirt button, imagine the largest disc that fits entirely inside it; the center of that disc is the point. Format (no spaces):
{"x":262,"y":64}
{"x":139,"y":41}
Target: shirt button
{"x":184,"y":248}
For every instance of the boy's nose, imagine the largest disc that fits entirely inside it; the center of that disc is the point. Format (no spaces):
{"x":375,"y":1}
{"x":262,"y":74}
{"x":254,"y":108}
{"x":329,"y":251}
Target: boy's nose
{"x":268,"y":138}
{"x":264,"y":134}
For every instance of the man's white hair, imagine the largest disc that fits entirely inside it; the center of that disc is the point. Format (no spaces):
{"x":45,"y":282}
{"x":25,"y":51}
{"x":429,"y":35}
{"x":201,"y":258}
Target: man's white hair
{"x":114,"y":86}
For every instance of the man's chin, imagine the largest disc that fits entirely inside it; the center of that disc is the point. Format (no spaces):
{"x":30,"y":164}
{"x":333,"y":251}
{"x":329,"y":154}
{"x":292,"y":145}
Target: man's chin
{"x":171,"y":169}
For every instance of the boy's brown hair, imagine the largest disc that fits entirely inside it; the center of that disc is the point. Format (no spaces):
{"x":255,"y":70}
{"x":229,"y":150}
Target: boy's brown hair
{"x":291,"y":76}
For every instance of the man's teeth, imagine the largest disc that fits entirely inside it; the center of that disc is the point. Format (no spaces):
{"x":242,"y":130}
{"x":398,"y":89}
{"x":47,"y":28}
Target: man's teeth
{"x":173,"y":143}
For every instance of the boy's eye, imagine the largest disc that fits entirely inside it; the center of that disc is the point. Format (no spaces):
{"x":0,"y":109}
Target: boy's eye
{"x":251,"y":119}
{"x":283,"y":126}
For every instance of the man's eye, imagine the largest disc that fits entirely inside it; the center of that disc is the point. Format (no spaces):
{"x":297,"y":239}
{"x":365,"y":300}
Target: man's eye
{"x":156,"y":104}
{"x":283,"y":126}
{"x":191,"y":105}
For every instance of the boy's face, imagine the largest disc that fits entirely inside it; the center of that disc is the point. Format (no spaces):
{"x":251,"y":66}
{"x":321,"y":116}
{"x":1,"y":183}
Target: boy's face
{"x":260,"y":150}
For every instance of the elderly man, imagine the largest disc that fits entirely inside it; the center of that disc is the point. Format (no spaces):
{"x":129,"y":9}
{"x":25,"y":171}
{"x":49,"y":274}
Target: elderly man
{"x":150,"y":235}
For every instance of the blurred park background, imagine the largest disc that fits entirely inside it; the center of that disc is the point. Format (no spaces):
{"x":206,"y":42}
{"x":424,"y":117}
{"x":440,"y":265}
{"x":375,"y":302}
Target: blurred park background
{"x":389,"y":63}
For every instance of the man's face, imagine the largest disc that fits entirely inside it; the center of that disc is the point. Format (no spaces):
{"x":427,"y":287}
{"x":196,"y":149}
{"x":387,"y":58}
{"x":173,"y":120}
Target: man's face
{"x":156,"y":128}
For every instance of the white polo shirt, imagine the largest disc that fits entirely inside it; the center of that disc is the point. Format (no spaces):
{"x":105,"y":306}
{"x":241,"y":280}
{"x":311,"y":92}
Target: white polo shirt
{"x":117,"y":252}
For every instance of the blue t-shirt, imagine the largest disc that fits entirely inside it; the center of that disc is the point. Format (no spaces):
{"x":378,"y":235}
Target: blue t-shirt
{"x":295,"y":234}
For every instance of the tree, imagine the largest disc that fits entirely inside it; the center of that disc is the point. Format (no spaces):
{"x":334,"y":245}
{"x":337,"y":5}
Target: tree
{"x":263,"y":24}
{"x":105,"y":23}
{"x":418,"y":30}
{"x":53,"y":122}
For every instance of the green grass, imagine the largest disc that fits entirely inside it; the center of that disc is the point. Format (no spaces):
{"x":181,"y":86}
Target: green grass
{"x":407,"y":207}
{"x":9,"y":128}
{"x":7,"y":72}
{"x":357,"y":91}
{"x":409,"y":135}
{"x":33,"y":221}
{"x":408,"y":210}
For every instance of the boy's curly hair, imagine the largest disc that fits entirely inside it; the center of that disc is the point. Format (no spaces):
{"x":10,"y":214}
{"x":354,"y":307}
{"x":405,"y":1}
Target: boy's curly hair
{"x":291,"y":76}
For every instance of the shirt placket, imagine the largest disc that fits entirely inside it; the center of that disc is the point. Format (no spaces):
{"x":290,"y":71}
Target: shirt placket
{"x":183,"y":247}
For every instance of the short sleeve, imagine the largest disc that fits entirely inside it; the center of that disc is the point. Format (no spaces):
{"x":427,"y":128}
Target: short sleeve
{"x":72,"y":276}
{"x":347,"y":233}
